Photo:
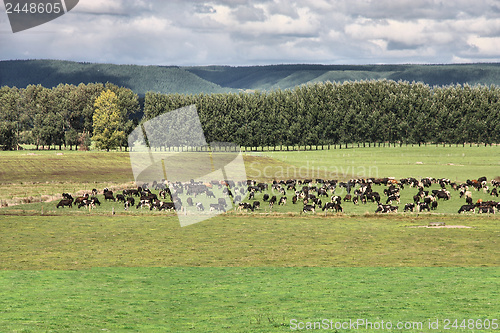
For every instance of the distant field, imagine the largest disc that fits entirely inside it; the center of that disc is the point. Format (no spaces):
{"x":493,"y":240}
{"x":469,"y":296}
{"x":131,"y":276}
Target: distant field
{"x":456,"y":163}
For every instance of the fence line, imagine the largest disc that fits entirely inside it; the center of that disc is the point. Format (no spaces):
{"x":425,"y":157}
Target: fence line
{"x":281,"y":148}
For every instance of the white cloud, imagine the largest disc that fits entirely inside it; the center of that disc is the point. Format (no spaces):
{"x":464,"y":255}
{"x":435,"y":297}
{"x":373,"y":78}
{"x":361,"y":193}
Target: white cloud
{"x":244,"y":32}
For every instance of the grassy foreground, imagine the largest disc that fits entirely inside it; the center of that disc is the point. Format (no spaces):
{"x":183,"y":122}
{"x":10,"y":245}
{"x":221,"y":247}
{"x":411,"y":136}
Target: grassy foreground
{"x":190,"y":299}
{"x":81,"y":242}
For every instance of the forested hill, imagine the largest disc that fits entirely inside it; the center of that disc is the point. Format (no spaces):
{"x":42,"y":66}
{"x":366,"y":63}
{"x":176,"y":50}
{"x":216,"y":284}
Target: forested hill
{"x":220,"y":79}
{"x":140,"y":79}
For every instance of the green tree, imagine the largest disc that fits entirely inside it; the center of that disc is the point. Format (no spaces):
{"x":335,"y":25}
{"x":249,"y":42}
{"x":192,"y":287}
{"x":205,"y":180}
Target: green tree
{"x":108,"y":127}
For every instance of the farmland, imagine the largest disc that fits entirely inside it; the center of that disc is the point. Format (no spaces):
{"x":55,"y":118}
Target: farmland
{"x":73,"y":269}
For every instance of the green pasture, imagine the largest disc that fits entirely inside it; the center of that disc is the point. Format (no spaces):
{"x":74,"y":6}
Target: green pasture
{"x":456,"y":162}
{"x":75,"y":270}
{"x":221,"y":299}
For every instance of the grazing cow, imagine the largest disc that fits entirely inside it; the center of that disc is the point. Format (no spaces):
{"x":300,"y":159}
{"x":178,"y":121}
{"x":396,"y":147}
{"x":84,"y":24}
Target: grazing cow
{"x":308,"y":208}
{"x":486,"y":210}
{"x":468,"y":200}
{"x":294,"y":199}
{"x":423,"y":206}
{"x":108,"y":195}
{"x":494,"y":192}
{"x":282,"y":201}
{"x":67,"y":196}
{"x":129,"y":203}
{"x":237,"y":199}
{"x":386,"y":209}
{"x":245,"y":205}
{"x":336,"y":199}
{"x":94,"y":191}
{"x":96,"y":201}
{"x":167,"y":206}
{"x":222,"y":202}
{"x":442,"y":194}
{"x":120,"y":197}
{"x":332,"y":206}
{"x":217,"y":207}
{"x":347,"y":197}
{"x":189,"y":201}
{"x":256,"y":205}
{"x":251,"y":196}
{"x":322,"y":192}
{"x":409,"y":207}
{"x":467,"y":208}
{"x":272,"y":201}
{"x":373,"y":196}
{"x":392,"y":198}
{"x":434,"y":205}
{"x":65,"y":202}
{"x":266,"y":197}
{"x":210,"y":194}
{"x":143,"y":203}
{"x":199,"y":206}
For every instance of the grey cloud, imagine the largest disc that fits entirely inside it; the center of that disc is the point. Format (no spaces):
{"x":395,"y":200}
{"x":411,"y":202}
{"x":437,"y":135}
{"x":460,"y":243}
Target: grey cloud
{"x":245,"y":14}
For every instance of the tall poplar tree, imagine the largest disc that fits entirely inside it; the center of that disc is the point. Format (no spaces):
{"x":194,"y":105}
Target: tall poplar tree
{"x":108,"y":127}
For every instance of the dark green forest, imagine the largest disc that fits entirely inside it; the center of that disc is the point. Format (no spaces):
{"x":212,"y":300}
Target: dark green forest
{"x":350,"y":112}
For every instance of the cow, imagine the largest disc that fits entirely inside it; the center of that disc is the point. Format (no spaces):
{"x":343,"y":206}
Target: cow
{"x":467,"y":208}
{"x":199,"y":206}
{"x":332,"y":206}
{"x":167,"y":206}
{"x":272,"y":201}
{"x":210,"y":194}
{"x":392,"y":198}
{"x":442,"y":194}
{"x":409,"y":207}
{"x":386,"y":209}
{"x":129,"y":203}
{"x":108,"y":195}
{"x":308,"y":208}
{"x":120,"y":197}
{"x":423,"y":206}
{"x":434,"y":205}
{"x":245,"y":205}
{"x":217,"y":207}
{"x":494,"y":192}
{"x":67,"y":196}
{"x":282,"y":201}
{"x":266,"y":197}
{"x":486,"y":210}
{"x":65,"y":202}
{"x":222,"y":202}
{"x":256,"y":205}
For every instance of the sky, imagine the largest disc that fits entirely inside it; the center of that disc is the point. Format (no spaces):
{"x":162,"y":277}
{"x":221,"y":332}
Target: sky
{"x":244,"y":33}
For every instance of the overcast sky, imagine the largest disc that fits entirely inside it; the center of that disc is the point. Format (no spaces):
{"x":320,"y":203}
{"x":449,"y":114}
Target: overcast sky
{"x":241,"y":32}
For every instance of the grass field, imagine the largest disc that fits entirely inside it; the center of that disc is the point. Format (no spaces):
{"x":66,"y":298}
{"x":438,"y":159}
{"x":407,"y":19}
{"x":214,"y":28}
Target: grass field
{"x":194,"y":299}
{"x":72,"y":270}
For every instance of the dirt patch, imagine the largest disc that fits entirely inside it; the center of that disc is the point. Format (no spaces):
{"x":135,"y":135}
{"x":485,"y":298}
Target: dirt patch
{"x":441,"y":226}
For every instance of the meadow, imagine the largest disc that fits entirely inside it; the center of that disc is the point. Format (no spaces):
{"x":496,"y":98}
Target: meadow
{"x":71,"y":270}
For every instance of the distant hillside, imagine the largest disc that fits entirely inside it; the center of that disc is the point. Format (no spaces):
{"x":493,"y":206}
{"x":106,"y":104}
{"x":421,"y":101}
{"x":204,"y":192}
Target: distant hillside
{"x":219,"y":79}
{"x":140,"y":79}
{"x":288,"y":76}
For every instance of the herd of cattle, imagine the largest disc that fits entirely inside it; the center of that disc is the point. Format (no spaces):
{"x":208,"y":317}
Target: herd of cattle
{"x":325,"y":195}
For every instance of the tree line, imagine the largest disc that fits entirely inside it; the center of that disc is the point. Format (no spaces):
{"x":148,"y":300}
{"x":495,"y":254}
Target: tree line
{"x":60,"y":116}
{"x":315,"y":114}
{"x":349,"y":112}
